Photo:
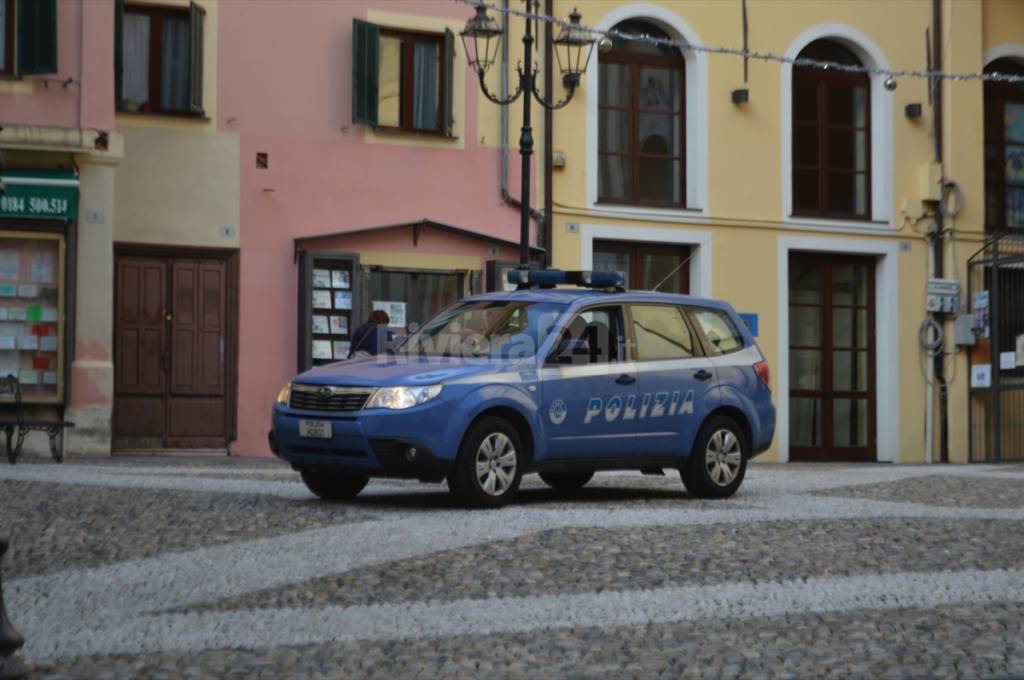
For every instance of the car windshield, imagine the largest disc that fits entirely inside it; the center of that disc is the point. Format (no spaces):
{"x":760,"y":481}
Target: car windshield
{"x":486,"y":328}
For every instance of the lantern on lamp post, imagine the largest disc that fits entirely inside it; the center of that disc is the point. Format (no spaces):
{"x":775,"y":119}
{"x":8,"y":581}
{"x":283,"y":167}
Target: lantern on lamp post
{"x":482,"y":39}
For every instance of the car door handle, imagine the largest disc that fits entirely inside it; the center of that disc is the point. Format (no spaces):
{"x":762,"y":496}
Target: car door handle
{"x":702,"y":375}
{"x":625,"y":379}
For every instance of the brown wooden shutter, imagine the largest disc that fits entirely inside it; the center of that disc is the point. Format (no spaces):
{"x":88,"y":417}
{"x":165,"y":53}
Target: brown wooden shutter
{"x":196,"y":19}
{"x":118,"y":51}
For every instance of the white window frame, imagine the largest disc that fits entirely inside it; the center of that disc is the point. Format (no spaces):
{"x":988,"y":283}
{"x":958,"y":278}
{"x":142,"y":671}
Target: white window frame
{"x":700,"y":259}
{"x":887,"y":323}
{"x":696,"y":69}
{"x":881,"y":132}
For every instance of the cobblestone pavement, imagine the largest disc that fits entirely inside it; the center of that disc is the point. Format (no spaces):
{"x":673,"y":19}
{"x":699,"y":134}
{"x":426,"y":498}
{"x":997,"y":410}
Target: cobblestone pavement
{"x":195,"y":568}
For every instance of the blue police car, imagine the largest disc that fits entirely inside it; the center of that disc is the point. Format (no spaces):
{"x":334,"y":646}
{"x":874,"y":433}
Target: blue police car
{"x":559,"y":381}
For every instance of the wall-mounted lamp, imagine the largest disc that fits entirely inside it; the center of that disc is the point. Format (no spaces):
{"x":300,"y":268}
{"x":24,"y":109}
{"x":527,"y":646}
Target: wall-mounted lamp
{"x":740,"y":96}
{"x":913,"y":110}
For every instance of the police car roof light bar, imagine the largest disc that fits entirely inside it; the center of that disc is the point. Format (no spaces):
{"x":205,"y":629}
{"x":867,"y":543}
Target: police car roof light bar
{"x":549,"y":278}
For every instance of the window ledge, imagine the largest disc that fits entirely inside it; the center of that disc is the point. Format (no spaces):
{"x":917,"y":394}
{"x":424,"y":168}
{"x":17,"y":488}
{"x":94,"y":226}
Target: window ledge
{"x":164,"y":114}
{"x":399,"y":132}
{"x":838,"y":224}
{"x":647,"y":211}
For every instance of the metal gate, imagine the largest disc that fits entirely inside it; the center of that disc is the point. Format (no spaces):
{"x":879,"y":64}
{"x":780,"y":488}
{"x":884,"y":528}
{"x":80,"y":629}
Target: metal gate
{"x":996,"y":294}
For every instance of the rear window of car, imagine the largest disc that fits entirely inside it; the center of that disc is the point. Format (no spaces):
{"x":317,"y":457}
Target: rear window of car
{"x":661,"y":333}
{"x":719,"y":330}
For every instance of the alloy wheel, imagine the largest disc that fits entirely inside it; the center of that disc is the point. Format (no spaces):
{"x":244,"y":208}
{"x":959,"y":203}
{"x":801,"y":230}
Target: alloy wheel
{"x":723,"y":457}
{"x":495,"y":464}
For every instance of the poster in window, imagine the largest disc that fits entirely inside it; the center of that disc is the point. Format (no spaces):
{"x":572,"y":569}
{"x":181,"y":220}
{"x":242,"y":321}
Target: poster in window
{"x":321,"y":299}
{"x":29,"y":291}
{"x":342,"y":300}
{"x":339,"y":325}
{"x":340,"y":279}
{"x":341,"y":348}
{"x":41,"y":268}
{"x":10,"y":265}
{"x":322,"y":349}
{"x":395,"y":311}
{"x":320,"y":324}
{"x":321,"y":278}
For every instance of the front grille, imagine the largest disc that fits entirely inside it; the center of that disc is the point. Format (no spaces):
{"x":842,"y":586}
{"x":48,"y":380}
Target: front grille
{"x":341,"y":399}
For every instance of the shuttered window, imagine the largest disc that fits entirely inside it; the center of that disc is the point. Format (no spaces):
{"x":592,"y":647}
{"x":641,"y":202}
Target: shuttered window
{"x":6,"y":37}
{"x":402,"y":80}
{"x":28,"y":37}
{"x":159,"y":59}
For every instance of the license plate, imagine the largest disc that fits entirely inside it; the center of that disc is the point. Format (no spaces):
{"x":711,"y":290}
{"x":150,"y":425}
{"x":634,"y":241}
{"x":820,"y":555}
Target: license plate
{"x":315,"y":429}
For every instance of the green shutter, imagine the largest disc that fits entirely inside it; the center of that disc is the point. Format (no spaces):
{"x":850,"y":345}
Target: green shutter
{"x":365,"y":65}
{"x":118,"y":51}
{"x":196,"y":18}
{"x":37,"y":36}
{"x":449,"y":82}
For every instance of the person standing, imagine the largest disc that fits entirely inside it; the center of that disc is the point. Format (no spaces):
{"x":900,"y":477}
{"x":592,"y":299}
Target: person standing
{"x":372,"y":337}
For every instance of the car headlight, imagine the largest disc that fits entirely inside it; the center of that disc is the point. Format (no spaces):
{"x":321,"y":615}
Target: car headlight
{"x":282,"y":396}
{"x":402,"y":397}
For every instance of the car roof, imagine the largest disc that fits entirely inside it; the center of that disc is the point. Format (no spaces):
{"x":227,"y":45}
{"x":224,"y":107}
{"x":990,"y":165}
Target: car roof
{"x":581,"y":296}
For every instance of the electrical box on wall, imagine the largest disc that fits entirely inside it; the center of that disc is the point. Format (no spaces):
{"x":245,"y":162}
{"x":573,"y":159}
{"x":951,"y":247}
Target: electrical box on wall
{"x":943,"y":296}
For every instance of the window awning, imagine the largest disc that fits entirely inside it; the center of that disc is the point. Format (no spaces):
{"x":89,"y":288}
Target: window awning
{"x":415,"y":228}
{"x":39,"y":194}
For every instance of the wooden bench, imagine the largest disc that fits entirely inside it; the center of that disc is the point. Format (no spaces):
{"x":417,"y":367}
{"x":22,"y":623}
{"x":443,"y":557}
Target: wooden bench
{"x":13,"y":422}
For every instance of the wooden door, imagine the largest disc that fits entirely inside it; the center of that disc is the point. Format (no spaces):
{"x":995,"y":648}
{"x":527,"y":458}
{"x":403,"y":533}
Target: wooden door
{"x":170,"y":352}
{"x":832,"y":358}
{"x":197,"y":399}
{"x":140,"y":375}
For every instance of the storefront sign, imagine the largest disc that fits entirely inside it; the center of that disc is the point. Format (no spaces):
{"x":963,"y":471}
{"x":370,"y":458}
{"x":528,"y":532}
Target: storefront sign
{"x":48,"y":195}
{"x":751,"y":321}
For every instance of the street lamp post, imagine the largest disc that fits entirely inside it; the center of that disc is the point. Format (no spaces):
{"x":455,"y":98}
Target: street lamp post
{"x":573,"y":46}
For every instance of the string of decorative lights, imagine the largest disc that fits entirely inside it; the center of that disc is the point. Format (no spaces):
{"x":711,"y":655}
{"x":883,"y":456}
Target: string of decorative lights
{"x":753,"y":54}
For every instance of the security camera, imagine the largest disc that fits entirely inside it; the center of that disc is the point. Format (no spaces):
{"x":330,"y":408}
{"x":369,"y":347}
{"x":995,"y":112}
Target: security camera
{"x":604,"y":45}
{"x":890,"y":83}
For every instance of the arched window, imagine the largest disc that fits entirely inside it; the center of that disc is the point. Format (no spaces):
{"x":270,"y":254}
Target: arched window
{"x":642,"y":122}
{"x":831,"y":136}
{"x":1004,"y":148}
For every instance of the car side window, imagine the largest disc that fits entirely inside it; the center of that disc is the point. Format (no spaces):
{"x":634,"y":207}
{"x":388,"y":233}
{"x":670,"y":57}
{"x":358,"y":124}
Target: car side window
{"x":661,"y":333}
{"x":594,"y":336}
{"x":719,"y":330}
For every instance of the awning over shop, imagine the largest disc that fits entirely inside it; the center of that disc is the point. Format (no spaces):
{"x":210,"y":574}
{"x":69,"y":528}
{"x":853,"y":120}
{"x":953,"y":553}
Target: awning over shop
{"x":415,"y":228}
{"x":39,"y":194}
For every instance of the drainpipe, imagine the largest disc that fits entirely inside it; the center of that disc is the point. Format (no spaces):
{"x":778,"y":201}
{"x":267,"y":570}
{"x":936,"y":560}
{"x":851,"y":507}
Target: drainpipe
{"x":549,"y":95}
{"x":937,"y":237}
{"x":537,"y":215}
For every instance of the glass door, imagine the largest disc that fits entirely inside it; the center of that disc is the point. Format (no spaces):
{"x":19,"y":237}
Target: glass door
{"x":831,"y":358}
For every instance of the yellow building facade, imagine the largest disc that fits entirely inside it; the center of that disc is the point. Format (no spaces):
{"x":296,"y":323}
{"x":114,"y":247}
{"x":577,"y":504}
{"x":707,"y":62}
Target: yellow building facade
{"x":820,"y":244}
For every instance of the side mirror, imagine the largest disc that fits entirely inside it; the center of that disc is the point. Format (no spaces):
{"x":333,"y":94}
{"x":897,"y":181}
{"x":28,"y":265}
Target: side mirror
{"x":572,"y":352}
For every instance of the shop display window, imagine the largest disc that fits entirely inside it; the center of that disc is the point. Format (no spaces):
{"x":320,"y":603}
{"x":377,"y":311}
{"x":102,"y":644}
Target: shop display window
{"x":32,"y":313}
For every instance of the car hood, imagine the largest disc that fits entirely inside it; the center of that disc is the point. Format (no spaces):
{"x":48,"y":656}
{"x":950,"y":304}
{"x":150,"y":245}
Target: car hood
{"x":391,"y":371}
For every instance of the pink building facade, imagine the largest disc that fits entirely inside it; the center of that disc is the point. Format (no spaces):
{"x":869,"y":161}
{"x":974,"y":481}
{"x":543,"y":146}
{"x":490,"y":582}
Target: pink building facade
{"x":243,"y":183}
{"x":316,"y":184}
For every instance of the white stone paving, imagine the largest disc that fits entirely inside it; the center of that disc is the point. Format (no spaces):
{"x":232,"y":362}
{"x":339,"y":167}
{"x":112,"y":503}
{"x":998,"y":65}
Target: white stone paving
{"x":116,"y":608}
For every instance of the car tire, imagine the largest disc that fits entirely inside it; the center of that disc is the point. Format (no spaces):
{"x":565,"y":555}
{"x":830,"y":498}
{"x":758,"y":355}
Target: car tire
{"x":718,"y":461}
{"x":332,"y":485}
{"x":489,"y":467}
{"x":566,"y":480}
